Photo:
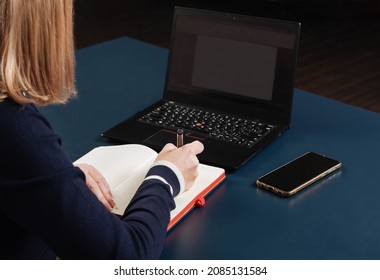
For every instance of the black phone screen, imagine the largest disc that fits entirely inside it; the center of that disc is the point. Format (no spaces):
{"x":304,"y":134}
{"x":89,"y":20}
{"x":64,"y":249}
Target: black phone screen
{"x":303,"y":170}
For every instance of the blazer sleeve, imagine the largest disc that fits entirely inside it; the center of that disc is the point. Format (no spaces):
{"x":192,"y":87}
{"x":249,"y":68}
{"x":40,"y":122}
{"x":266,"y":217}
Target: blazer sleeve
{"x":44,"y":194}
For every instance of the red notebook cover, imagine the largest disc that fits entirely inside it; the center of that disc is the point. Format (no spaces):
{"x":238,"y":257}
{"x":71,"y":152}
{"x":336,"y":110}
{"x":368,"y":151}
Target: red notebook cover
{"x":198,"y":200}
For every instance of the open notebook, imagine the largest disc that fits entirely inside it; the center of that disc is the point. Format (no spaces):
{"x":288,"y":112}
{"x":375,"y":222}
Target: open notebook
{"x":125,"y":167}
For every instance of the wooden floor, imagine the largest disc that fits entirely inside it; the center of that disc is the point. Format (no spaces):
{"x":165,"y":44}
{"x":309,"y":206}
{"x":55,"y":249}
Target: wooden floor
{"x":339,"y":53}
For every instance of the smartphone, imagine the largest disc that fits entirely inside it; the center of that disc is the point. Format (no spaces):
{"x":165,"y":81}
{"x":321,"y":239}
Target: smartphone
{"x":297,"y":174}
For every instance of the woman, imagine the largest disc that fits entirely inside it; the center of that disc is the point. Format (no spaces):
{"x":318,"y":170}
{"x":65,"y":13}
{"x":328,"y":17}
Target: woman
{"x":48,"y":207}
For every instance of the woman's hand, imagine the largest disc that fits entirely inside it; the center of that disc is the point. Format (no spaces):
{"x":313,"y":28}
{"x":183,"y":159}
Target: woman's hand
{"x":185,"y":158}
{"x":98,"y":185}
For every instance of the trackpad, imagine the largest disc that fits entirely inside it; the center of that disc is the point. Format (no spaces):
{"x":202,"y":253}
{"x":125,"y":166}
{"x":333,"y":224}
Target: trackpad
{"x":161,"y":138}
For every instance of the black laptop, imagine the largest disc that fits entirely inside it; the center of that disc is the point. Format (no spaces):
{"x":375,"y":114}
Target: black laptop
{"x":229,"y":84}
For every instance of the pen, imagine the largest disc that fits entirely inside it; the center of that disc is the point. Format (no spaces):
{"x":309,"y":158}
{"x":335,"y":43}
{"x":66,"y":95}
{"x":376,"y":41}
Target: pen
{"x":179,"y":137}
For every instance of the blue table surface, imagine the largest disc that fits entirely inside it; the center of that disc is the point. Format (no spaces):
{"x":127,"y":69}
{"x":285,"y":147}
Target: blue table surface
{"x":336,"y":218}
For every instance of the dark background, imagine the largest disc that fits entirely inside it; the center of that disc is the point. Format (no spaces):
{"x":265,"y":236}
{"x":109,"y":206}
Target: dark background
{"x":339,"y":53}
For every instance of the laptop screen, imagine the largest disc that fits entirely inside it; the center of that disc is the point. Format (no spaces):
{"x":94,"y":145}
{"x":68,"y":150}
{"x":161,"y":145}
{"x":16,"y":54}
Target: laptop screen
{"x":234,"y":67}
{"x":235,"y":58}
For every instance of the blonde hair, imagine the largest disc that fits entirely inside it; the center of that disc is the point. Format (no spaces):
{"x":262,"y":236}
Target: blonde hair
{"x":37,"y":51}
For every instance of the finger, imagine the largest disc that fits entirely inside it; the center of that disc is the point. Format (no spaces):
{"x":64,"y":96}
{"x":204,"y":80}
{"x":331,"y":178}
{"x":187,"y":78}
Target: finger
{"x":169,"y":147}
{"x":106,"y":192}
{"x":99,"y":178}
{"x":98,"y":193}
{"x":95,"y":189}
{"x":102,"y":184}
{"x":195,"y":147}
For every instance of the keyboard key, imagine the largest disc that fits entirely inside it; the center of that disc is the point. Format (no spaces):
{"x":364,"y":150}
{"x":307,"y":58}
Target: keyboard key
{"x":226,"y":128}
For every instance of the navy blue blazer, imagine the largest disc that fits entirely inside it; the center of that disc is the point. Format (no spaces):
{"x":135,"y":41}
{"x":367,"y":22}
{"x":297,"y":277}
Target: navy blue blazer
{"x":47,"y":211}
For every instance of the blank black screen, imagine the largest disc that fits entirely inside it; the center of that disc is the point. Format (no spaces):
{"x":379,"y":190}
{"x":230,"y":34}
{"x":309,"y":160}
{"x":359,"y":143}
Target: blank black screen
{"x":299,"y":171}
{"x":237,"y":67}
{"x":245,"y":61}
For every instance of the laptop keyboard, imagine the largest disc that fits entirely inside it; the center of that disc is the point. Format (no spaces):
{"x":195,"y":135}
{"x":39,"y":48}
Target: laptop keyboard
{"x":231,"y":129}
